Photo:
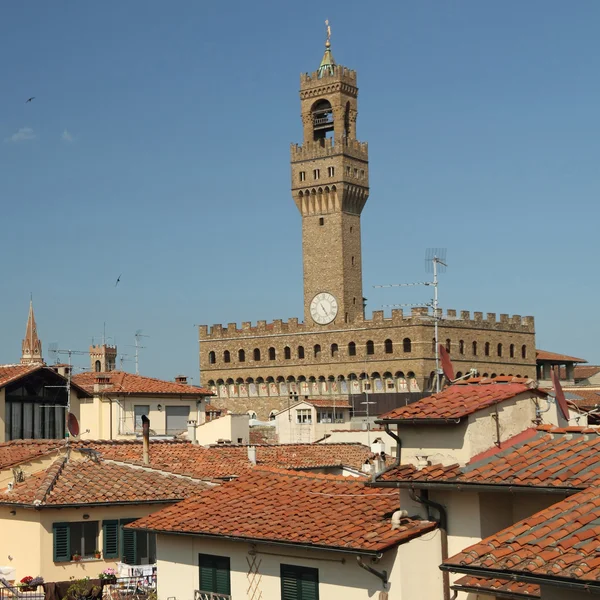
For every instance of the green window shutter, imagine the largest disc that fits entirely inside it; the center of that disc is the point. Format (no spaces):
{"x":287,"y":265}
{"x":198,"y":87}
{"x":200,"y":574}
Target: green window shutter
{"x":128,"y":543}
{"x":214,"y":573}
{"x":222,"y":579}
{"x":299,"y":583}
{"x":110,"y":539}
{"x":61,"y":542}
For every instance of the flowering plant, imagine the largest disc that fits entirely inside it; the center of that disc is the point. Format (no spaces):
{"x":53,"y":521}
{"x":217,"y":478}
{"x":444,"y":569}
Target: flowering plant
{"x":31,"y":582}
{"x":108,"y":574}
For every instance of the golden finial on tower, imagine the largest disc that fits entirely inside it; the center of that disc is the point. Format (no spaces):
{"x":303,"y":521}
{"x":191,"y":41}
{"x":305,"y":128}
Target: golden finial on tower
{"x":328,"y":42}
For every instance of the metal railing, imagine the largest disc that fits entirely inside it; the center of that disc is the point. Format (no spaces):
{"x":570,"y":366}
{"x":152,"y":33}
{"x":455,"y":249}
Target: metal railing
{"x":17,"y":593}
{"x":200,"y":595}
{"x":129,"y":588}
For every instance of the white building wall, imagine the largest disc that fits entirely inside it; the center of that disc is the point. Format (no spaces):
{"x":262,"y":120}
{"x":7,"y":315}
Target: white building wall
{"x":235,"y":428}
{"x":254,"y":576}
{"x":361,"y":436}
{"x":290,"y":431}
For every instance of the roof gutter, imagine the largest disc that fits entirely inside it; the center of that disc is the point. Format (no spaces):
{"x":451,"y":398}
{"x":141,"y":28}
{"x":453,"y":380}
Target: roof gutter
{"x":592,"y":587}
{"x":232,"y":538}
{"x":419,"y":421}
{"x":474,"y":487}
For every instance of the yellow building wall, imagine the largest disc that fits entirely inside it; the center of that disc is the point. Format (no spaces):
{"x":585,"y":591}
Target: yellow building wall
{"x":26,"y":539}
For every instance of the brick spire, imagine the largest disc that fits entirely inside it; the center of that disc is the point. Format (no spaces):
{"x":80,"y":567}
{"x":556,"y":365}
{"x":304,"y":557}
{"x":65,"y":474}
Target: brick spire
{"x":32,"y":345}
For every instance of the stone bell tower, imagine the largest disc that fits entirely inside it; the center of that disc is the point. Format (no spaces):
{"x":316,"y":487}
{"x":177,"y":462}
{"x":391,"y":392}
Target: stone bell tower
{"x":330,"y":185}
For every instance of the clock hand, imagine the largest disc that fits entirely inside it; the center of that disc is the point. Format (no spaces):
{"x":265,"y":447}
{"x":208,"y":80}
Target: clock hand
{"x":324,"y":311}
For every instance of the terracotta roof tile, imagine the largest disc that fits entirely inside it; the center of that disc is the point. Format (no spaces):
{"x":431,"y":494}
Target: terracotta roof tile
{"x":302,"y":508}
{"x":10,"y":373}
{"x":484,"y":585}
{"x":185,"y":458}
{"x":553,"y":356}
{"x":585,"y":398}
{"x":458,"y":401}
{"x":560,"y":541}
{"x":564,"y":457}
{"x":82,"y":481}
{"x":122,"y":382}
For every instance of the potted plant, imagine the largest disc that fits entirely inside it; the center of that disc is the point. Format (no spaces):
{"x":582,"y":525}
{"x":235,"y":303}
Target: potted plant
{"x":97,"y":554}
{"x":108,"y":576}
{"x":76,"y":557}
{"x":30,"y":584}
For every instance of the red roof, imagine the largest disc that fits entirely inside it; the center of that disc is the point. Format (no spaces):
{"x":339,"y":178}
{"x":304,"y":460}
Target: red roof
{"x":554,"y":357}
{"x":585,"y":398}
{"x":75,"y":481}
{"x":559,"y":542}
{"x":10,"y":373}
{"x":185,"y":458}
{"x":555,"y":457}
{"x":121,"y":382}
{"x":502,"y":588}
{"x":458,"y":401}
{"x":274,"y":505}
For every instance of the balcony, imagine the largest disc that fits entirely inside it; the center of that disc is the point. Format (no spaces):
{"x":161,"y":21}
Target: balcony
{"x":200,"y":595}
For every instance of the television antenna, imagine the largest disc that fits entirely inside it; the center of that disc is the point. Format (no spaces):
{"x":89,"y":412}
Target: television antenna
{"x":137,"y":335}
{"x":123,"y":358}
{"x":435,"y":262}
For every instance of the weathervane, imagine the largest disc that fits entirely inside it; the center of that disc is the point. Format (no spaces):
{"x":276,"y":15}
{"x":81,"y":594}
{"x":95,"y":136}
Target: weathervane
{"x":328,"y":42}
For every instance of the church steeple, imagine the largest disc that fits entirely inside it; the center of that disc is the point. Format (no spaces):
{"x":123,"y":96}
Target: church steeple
{"x":31,"y":348}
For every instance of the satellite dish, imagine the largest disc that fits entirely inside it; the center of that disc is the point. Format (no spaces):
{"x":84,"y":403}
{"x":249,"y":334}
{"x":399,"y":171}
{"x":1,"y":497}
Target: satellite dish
{"x":447,"y":367}
{"x":72,"y":425}
{"x":559,"y":394}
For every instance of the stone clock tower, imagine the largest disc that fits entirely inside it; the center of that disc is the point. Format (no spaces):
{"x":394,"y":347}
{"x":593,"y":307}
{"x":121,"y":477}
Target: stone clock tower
{"x":330,"y":185}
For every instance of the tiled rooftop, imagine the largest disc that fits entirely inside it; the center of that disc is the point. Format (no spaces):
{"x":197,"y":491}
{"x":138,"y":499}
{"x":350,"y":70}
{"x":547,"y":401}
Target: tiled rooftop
{"x":501,"y":588}
{"x":82,"y":481}
{"x":289,"y":507}
{"x":553,"y":457}
{"x":553,"y":356}
{"x":184,"y":458}
{"x":121,"y":382}
{"x":586,"y":398}
{"x":460,"y":400}
{"x":559,"y":542}
{"x":9,"y":373}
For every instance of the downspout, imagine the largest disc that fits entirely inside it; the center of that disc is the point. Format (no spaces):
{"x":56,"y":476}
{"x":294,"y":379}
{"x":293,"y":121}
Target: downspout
{"x":443,"y":527}
{"x":383,"y":575}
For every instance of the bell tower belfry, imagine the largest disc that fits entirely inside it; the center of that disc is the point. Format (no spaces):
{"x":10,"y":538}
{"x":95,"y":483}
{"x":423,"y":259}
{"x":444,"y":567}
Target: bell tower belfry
{"x":330,"y":186}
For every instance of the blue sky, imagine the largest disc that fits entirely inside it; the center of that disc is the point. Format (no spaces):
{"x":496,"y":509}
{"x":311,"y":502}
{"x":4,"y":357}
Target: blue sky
{"x":157,"y":147}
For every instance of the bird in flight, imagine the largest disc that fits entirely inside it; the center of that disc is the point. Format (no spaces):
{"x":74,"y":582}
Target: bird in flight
{"x":118,"y":279}
{"x":29,"y":99}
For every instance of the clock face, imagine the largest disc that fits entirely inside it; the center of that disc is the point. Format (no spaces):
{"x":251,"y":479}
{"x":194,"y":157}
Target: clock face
{"x":323,"y":308}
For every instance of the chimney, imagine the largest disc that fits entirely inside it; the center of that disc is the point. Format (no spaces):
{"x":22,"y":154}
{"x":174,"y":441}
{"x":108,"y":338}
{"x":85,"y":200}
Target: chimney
{"x":146,"y":439}
{"x":192,"y":432}
{"x":181,"y":379}
{"x":252,"y":454}
{"x":101,"y":382}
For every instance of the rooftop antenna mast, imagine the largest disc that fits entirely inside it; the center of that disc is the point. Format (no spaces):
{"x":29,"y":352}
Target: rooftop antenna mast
{"x":138,"y":334}
{"x":435,"y":262}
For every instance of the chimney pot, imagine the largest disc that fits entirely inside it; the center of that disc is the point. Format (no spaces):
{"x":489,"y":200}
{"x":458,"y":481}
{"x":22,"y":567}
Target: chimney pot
{"x":252,"y":454}
{"x":181,"y":379}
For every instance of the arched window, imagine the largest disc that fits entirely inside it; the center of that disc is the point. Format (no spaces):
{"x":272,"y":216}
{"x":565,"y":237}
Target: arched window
{"x":98,"y":364}
{"x":317,"y":350}
{"x":458,"y":375}
{"x":474,"y":348}
{"x":511,"y":350}
{"x":300,"y":351}
{"x":257,"y":354}
{"x":370,"y":347}
{"x":351,"y":349}
{"x":499,"y":349}
{"x":271,"y":353}
{"x":448,"y":346}
{"x":239,"y":380}
{"x":212,"y":358}
{"x":494,"y":375}
{"x":523,"y":351}
{"x":252,"y":414}
{"x":211,"y":383}
{"x":406,"y":345}
{"x":388,"y":346}
{"x":487,"y":349}
{"x":461,"y":346}
{"x":485,"y":375}
{"x":272,"y":415}
{"x":334,"y":350}
{"x":229,"y":381}
{"x":226,"y":356}
{"x":241,"y":355}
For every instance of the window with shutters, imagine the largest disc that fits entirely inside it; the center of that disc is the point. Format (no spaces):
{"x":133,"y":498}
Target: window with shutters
{"x":299,"y":583}
{"x":74,"y":538}
{"x":132,"y":547}
{"x":61,"y":542}
{"x":214,"y":573}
